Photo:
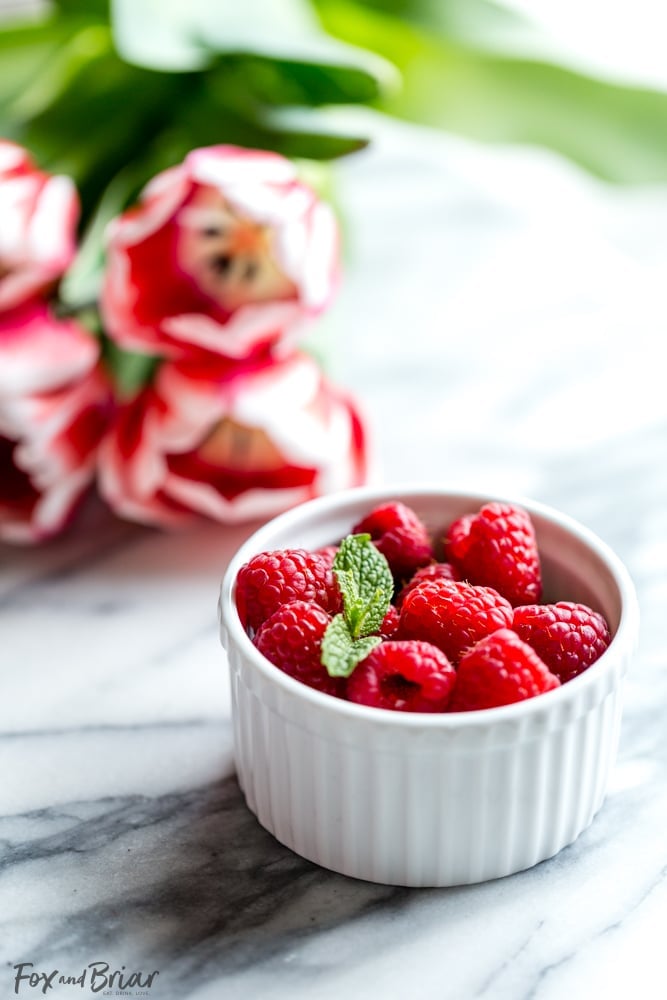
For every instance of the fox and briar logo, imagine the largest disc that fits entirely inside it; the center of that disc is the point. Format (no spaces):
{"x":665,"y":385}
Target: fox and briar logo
{"x":97,"y":976}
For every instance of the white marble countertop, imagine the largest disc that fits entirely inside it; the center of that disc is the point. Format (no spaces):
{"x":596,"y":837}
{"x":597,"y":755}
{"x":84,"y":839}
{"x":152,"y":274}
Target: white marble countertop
{"x":502,"y":319}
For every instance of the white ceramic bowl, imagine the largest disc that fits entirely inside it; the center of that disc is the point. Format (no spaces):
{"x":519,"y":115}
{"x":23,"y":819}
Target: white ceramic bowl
{"x":430,"y":800}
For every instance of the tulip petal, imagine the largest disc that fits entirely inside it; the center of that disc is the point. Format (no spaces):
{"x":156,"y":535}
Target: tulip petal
{"x":38,"y":352}
{"x":39,"y":213}
{"x":52,"y":443}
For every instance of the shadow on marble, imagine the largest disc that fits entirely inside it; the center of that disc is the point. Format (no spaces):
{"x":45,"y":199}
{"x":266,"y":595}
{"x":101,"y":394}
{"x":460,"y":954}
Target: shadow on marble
{"x":188,"y":884}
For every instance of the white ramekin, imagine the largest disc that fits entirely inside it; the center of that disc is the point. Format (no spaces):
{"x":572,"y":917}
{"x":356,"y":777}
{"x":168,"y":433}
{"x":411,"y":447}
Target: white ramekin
{"x":430,"y":800}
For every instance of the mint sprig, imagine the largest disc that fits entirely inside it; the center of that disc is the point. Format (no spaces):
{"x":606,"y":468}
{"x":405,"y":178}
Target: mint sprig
{"x":366,"y":585}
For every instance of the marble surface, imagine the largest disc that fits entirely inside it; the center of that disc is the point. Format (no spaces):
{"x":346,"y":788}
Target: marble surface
{"x":502,"y":319}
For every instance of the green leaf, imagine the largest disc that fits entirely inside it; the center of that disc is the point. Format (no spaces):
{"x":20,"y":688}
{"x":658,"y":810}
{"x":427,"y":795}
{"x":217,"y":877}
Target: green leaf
{"x":459,"y":82}
{"x":365,"y":582}
{"x":281,"y":81}
{"x":84,"y":111}
{"x":185,"y":37}
{"x":40,"y":60}
{"x":104,"y":119}
{"x":83,"y":281}
{"x":341,"y":652}
{"x":485,"y":24}
{"x":25,"y":51}
{"x":100,"y":8}
{"x":301,"y":144}
{"x":131,"y":372}
{"x":366,"y":585}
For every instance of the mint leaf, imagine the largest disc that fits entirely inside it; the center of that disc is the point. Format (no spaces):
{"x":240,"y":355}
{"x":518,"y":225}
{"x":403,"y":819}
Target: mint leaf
{"x":366,"y":583}
{"x":341,"y":651}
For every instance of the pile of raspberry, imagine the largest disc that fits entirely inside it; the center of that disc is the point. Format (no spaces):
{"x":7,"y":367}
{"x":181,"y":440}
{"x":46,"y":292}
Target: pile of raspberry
{"x":465,"y":631}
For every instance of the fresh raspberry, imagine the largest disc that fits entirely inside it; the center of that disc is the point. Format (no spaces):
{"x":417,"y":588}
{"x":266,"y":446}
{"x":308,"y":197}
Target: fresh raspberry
{"x":327,"y":552}
{"x":497,"y":548}
{"x":456,"y":539}
{"x":291,"y":638}
{"x":399,"y":535}
{"x":434,"y":571}
{"x":274,"y":578}
{"x":452,"y":615}
{"x":404,"y":676}
{"x":499,"y":670}
{"x":390,"y":622}
{"x":568,"y":637}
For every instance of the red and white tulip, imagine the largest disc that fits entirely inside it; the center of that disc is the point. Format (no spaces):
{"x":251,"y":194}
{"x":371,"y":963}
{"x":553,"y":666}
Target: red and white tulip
{"x":39,"y":352}
{"x":233,"y":443}
{"x":54,"y":408}
{"x":228,"y":253}
{"x":38,"y":217}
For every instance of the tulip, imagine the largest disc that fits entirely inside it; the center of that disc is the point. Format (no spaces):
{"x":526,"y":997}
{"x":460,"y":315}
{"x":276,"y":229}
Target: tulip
{"x":231,"y":443}
{"x":228,"y":253}
{"x":38,"y":217}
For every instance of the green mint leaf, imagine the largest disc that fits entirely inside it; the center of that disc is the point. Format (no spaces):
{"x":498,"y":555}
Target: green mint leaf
{"x":365,"y":582}
{"x":341,"y":652}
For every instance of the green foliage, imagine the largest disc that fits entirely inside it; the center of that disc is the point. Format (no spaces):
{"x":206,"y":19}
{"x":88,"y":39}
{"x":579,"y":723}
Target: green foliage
{"x":463,"y":70}
{"x":341,"y":652}
{"x":131,"y":371}
{"x":365,"y":582}
{"x":84,"y":93}
{"x":366,"y":585}
{"x":112,"y":96}
{"x":111,"y":93}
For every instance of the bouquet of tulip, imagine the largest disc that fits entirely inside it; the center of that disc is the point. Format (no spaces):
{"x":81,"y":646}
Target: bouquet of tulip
{"x":210,"y":279}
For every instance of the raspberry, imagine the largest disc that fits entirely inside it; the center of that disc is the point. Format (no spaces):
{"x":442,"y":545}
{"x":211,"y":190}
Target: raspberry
{"x":327,"y":552}
{"x":434,"y":571}
{"x":497,"y":548}
{"x":399,"y":535}
{"x":404,"y":676}
{"x":500,"y":670}
{"x":274,"y":578}
{"x":390,"y":622}
{"x":291,"y":638}
{"x":452,"y":615}
{"x":456,"y":539}
{"x":568,"y":637}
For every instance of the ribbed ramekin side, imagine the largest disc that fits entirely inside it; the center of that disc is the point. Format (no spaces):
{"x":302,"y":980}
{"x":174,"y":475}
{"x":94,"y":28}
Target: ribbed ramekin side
{"x":415,"y":811}
{"x":552,"y":788}
{"x":240,"y":724}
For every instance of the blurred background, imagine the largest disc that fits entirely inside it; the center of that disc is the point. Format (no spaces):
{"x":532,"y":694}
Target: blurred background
{"x":499,"y":169}
{"x":111,"y":91}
